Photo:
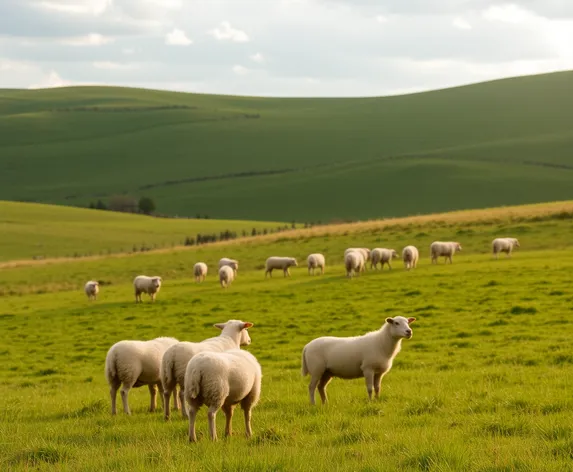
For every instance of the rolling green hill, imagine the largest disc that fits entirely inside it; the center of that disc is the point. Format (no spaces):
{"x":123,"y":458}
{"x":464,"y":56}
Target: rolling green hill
{"x":496,"y":143}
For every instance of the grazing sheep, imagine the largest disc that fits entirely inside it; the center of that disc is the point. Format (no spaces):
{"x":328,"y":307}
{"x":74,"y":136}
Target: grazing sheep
{"x":504,"y":245}
{"x":382,"y":255}
{"x":232,"y":263}
{"x":226,"y":276}
{"x":133,"y":364}
{"x":92,"y":289}
{"x":446,"y":249}
{"x":221,"y":380}
{"x":145,"y":284}
{"x":369,"y":356}
{"x":200,"y":271}
{"x":315,"y":261}
{"x":364,"y":251}
{"x":233,"y":335}
{"x":282,"y":263}
{"x":354,"y":263}
{"x":410,"y":257}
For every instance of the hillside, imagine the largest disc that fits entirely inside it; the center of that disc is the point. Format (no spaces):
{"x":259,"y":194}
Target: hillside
{"x":495,"y":143}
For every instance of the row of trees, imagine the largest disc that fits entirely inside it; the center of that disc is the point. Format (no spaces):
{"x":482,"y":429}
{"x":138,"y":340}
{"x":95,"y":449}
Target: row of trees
{"x":126,"y":204}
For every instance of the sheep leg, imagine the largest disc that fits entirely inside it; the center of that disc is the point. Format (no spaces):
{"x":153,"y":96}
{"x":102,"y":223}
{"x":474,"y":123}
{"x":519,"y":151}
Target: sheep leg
{"x":192,"y":415}
{"x":377,"y":382}
{"x":113,"y":394}
{"x":312,"y":387}
{"x":166,"y":400}
{"x":124,"y":394}
{"x":369,"y":377}
{"x":211,"y":416}
{"x":228,"y":410}
{"x":247,"y":413}
{"x":324,"y":381}
{"x":153,"y":397}
{"x":182,"y":402}
{"x":175,"y":399}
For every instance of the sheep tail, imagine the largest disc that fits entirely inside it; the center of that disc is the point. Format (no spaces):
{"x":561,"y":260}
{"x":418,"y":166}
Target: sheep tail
{"x":304,"y":370}
{"x":167,"y":371}
{"x":110,"y":368}
{"x":193,"y":388}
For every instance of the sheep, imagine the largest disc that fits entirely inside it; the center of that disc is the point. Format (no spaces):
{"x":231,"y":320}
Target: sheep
{"x":92,"y":289}
{"x":369,"y":356}
{"x":315,"y":261}
{"x":504,"y":245}
{"x":282,"y":263}
{"x":221,"y":380}
{"x":233,"y":335}
{"x":446,"y":249}
{"x":364,"y":251}
{"x":232,"y":263}
{"x":200,"y":271}
{"x":410,"y":257}
{"x":382,"y":255}
{"x":226,"y":276}
{"x":145,"y":284}
{"x":354,"y":263}
{"x":133,"y":364}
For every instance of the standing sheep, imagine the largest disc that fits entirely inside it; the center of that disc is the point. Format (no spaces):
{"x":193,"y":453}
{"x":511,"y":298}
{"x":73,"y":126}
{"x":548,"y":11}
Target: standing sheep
{"x":366,"y":253}
{"x":369,"y":356}
{"x":222,"y":380}
{"x":354,"y":263}
{"x":92,"y":289}
{"x":410,"y":257}
{"x":145,"y":284}
{"x":232,"y":263}
{"x":382,"y":255}
{"x":446,"y":249}
{"x":504,"y":245}
{"x":134,"y":364}
{"x":200,"y":271}
{"x":226,"y":276}
{"x":316,"y":261}
{"x":233,"y":335}
{"x":282,"y":263}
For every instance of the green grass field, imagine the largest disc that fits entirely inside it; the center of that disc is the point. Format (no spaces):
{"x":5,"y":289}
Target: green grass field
{"x":496,"y":143}
{"x":484,"y":384}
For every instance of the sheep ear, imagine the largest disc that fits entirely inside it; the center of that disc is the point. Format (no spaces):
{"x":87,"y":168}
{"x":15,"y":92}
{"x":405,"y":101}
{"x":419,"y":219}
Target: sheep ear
{"x":220,"y":325}
{"x":390,"y":320}
{"x":411,"y":320}
{"x":247,"y":325}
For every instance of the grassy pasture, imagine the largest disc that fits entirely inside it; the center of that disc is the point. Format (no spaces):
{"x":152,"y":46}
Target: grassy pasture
{"x":484,"y":384}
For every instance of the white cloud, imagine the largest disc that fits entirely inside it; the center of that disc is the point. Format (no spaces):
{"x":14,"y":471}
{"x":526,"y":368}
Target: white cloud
{"x":382,"y":19}
{"x":462,"y":24}
{"x":51,"y":80}
{"x":510,"y":13}
{"x":177,"y":37}
{"x":110,"y":65}
{"x":128,"y":51}
{"x":92,"y":7}
{"x":225,"y":32}
{"x":240,"y":70}
{"x":258,"y":57}
{"x":92,"y":39}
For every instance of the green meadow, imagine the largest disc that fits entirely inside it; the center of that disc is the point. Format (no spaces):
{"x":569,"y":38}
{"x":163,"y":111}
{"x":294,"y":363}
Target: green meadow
{"x":484,"y":384}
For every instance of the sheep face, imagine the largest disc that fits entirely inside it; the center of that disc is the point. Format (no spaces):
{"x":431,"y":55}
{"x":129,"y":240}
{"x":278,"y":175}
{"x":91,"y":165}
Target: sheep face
{"x":400,"y":326}
{"x":156,"y":282}
{"x":294,"y":262}
{"x":515,"y":242}
{"x":458,"y":247}
{"x":245,"y":338}
{"x":394,"y":254}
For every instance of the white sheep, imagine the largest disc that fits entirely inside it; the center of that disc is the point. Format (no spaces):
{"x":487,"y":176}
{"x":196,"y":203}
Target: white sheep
{"x":369,"y":356}
{"x":92,"y":289}
{"x":134,"y":364}
{"x":382,"y":255}
{"x":364,"y":251}
{"x":354,"y":263}
{"x":221,"y":380}
{"x":233,"y":335}
{"x":316,"y":261}
{"x":145,"y":284}
{"x":232,"y":263}
{"x":446,"y":249}
{"x":504,"y":245}
{"x":282,"y":263}
{"x":200,"y":271}
{"x":410,"y":257}
{"x":226,"y":276}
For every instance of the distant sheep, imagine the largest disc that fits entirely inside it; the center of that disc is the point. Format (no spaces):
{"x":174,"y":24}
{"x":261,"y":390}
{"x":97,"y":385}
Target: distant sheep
{"x":369,"y":356}
{"x":382,"y":256}
{"x":504,"y":245}
{"x":364,"y":251}
{"x":410,"y":257}
{"x":354,"y":263}
{"x":134,"y":364}
{"x":200,"y":271}
{"x":145,"y":284}
{"x":174,"y":362}
{"x":232,"y":263}
{"x":282,"y":263}
{"x":316,"y":261}
{"x":446,"y":249}
{"x":221,"y":380}
{"x":92,"y":289}
{"x":226,"y":276}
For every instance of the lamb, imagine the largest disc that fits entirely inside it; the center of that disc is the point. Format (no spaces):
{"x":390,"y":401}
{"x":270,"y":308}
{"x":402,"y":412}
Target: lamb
{"x":504,"y":245}
{"x":282,"y":263}
{"x":226,"y":276}
{"x":232,"y":263}
{"x":446,"y":249}
{"x":200,"y":271}
{"x":410,"y":257}
{"x":92,"y":289}
{"x":369,"y":356}
{"x":145,"y":284}
{"x":364,"y":251}
{"x":316,"y":261}
{"x":233,"y":335}
{"x":221,"y":380}
{"x":354,"y":263}
{"x":134,"y":364}
{"x":382,"y":255}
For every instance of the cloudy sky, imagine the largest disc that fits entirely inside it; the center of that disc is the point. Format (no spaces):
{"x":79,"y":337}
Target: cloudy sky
{"x":281,"y":47}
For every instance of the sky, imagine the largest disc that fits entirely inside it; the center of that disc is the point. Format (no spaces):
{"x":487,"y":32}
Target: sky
{"x":281,"y":47}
